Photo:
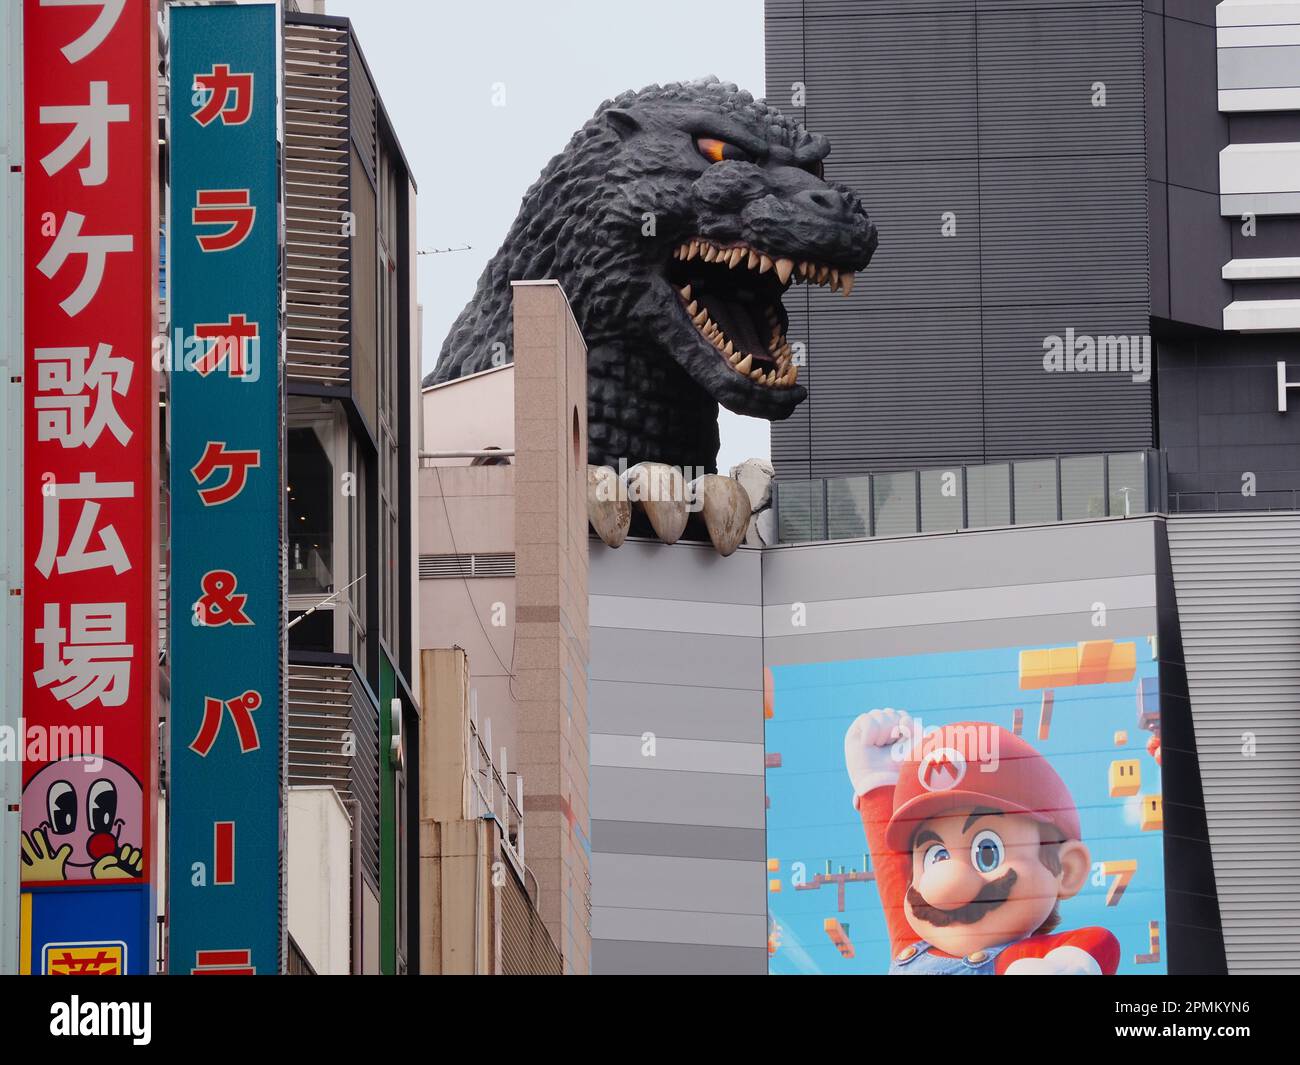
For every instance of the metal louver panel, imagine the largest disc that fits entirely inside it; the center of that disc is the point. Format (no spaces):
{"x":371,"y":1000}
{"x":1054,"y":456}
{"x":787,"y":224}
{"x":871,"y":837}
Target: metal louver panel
{"x":317,"y":201}
{"x":365,"y":122}
{"x":443,"y":567}
{"x":526,"y":946}
{"x":330,"y":714}
{"x":1237,"y":581}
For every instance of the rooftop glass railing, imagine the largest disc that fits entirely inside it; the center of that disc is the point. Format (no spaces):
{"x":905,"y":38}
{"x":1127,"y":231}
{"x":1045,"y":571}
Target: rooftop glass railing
{"x":952,"y":498}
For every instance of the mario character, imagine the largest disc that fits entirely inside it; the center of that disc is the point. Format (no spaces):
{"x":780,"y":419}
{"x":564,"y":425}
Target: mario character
{"x":82,"y":820}
{"x":975,"y":840}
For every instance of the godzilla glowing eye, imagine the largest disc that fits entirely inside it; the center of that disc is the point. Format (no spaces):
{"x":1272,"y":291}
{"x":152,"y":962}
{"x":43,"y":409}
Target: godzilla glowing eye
{"x":715,"y":151}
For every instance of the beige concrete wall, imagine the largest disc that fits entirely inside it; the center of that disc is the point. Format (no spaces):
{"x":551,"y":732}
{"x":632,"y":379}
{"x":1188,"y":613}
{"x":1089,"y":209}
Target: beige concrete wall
{"x":529,"y":676}
{"x":470,"y":413}
{"x":319,"y":857}
{"x":471,"y":510}
{"x":551,"y":645}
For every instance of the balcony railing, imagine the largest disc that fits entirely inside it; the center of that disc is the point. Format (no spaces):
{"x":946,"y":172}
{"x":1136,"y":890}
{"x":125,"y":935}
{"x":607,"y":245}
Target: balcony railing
{"x":491,"y":793}
{"x":952,"y":498}
{"x":1225,"y":502}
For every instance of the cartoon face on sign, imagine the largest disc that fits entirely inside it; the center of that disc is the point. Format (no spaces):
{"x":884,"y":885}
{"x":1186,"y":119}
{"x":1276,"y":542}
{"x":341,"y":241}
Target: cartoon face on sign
{"x":82,"y":820}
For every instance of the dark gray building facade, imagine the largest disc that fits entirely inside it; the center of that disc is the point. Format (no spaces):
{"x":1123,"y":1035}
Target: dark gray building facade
{"x":1113,"y":173}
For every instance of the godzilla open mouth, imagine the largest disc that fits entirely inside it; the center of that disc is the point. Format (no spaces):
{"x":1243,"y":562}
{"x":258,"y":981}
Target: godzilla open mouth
{"x":732,"y":294}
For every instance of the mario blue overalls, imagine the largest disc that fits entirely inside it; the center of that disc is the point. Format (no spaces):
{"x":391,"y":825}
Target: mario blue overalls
{"x":917,"y":960}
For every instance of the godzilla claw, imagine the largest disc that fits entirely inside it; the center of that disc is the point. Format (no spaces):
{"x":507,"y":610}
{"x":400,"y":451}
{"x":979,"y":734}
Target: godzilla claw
{"x":725,"y":506}
{"x":660,"y":491}
{"x":608,"y":510}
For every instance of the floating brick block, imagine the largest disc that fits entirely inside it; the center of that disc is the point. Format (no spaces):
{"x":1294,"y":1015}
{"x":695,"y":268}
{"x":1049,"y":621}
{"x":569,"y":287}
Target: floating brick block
{"x":1052,"y":667}
{"x":1123,"y":663}
{"x":1125,"y":777}
{"x":1153,"y":813}
{"x":1094,"y":660}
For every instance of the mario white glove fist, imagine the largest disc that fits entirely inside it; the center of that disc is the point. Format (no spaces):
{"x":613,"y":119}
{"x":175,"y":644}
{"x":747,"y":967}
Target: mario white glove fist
{"x":868,"y":754}
{"x":1063,"y":961}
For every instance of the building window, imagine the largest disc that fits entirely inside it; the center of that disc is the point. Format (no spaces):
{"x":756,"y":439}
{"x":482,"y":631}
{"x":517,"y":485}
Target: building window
{"x":310,"y":510}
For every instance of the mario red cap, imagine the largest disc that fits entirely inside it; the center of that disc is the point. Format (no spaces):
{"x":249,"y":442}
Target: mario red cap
{"x":974,"y":763}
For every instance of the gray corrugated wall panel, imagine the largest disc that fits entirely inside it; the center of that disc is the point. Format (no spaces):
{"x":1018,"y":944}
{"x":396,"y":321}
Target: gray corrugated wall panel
{"x":964,"y":636}
{"x":682,"y":711}
{"x":1031,"y":412}
{"x":679,"y":841}
{"x":1036,"y":73}
{"x":697,"y":885}
{"x":649,"y":657}
{"x":1049,"y":194}
{"x":989,"y":559}
{"x":670,"y":833}
{"x":892,"y":87}
{"x":619,"y":957}
{"x":694,"y":571}
{"x":669,"y":797}
{"x":1237,"y":582}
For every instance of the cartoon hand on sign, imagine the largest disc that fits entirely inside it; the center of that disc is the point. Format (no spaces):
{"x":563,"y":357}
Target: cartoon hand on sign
{"x":40,"y":860}
{"x":122,"y":865}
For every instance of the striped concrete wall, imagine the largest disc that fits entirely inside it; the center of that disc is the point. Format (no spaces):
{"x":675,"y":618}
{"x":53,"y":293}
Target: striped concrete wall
{"x":957,"y":592}
{"x":1237,"y":582}
{"x":676,"y":715}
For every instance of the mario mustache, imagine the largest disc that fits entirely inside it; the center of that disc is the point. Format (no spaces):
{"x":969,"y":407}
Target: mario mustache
{"x":990,"y":897}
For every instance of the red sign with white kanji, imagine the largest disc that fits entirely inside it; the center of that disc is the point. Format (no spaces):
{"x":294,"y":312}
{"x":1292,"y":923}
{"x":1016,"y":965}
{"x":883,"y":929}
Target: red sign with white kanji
{"x":90,"y":455}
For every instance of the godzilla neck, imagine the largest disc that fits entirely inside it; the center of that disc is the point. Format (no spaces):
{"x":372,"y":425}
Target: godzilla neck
{"x":647,"y":410}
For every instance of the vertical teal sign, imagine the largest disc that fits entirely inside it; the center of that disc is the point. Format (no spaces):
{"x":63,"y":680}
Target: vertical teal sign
{"x":227,"y":596}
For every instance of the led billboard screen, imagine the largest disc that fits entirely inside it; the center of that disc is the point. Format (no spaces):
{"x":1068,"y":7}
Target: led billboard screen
{"x":968,"y":813}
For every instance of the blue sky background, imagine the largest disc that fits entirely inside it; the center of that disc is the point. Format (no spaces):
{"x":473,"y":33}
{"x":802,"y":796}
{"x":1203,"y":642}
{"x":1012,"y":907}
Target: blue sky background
{"x":811,"y":818}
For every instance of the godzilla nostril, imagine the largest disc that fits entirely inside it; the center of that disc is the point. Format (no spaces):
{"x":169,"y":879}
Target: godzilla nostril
{"x":820,"y":201}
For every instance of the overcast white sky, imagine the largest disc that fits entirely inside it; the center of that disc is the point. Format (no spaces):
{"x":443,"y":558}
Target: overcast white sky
{"x":437,"y":64}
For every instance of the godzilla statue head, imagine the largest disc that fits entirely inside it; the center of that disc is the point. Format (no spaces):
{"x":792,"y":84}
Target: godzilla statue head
{"x":674,"y":220}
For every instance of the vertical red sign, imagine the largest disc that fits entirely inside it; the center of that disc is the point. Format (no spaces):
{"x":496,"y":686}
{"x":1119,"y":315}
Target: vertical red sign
{"x":90,"y":457}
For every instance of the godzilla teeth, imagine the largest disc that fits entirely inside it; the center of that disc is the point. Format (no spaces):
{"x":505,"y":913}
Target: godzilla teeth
{"x":776,"y":368}
{"x":733,"y":255}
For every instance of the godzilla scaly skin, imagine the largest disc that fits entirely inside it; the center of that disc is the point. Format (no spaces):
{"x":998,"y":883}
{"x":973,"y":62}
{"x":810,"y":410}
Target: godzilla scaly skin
{"x":673,"y":221}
